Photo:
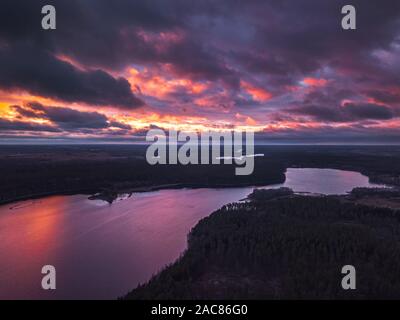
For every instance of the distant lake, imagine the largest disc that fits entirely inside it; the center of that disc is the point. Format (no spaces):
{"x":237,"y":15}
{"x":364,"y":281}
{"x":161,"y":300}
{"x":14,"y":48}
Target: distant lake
{"x":102,"y":251}
{"x":325,"y":181}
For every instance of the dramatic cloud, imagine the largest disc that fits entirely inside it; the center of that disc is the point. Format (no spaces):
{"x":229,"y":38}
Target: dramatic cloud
{"x":349,"y":112}
{"x":8,"y":125}
{"x":41,"y":74}
{"x":280,"y":67}
{"x":368,"y":111}
{"x":385,"y":96}
{"x":67,"y":119}
{"x":70,"y":119}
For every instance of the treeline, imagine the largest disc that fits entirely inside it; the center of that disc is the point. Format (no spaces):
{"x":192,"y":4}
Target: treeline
{"x":286,"y":248}
{"x":35,"y":170}
{"x":268,"y":194}
{"x":381,"y":192}
{"x":380,"y":163}
{"x":27,"y":171}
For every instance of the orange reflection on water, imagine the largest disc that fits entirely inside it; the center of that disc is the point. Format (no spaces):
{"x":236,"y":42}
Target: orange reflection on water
{"x":29,"y":233}
{"x":41,"y":222}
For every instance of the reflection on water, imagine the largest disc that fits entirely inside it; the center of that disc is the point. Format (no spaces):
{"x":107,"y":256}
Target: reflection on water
{"x":102,"y":251}
{"x":325,"y":181}
{"x":99,"y":251}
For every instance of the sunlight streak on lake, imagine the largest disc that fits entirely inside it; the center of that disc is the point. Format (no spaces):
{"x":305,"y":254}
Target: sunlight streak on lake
{"x":103,"y":251}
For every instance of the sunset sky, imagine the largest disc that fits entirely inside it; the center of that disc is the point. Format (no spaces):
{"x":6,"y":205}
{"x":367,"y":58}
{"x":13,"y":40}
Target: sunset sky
{"x":114,"y":69}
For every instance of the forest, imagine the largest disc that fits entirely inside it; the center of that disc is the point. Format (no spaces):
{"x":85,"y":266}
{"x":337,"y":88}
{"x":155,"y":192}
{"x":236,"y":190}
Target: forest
{"x":285,"y":247}
{"x":34,"y":171}
{"x":29,"y":171}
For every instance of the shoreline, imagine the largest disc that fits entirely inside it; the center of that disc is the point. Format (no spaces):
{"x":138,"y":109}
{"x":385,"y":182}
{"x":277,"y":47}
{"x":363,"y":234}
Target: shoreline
{"x":227,"y":276}
{"x":110,"y":194}
{"x":92,"y":193}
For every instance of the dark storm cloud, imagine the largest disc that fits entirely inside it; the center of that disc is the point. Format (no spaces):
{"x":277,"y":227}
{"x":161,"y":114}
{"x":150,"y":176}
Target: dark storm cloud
{"x":349,"y":112}
{"x":20,"y":19}
{"x":298,"y":36}
{"x":218,"y":39}
{"x":330,"y":96}
{"x":384,"y":96}
{"x":24,"y":112}
{"x":23,"y":67}
{"x":64,"y":118}
{"x":293,"y":39}
{"x":8,"y":125}
{"x":332,"y":105}
{"x":368,"y":111}
{"x":116,"y":124}
{"x":67,"y":118}
{"x":113,"y":34}
{"x":329,"y":134}
{"x":319,"y":113}
{"x":274,"y":44}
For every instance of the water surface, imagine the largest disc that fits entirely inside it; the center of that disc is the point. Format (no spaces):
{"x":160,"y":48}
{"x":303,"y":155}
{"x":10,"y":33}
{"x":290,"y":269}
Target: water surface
{"x":102,"y":251}
{"x":325,"y":181}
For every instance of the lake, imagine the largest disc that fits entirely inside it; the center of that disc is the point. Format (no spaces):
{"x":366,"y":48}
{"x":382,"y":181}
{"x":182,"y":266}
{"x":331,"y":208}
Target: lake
{"x":102,"y":251}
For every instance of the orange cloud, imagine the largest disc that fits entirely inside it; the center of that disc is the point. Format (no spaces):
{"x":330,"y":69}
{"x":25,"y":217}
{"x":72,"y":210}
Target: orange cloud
{"x":257,"y":93}
{"x":158,"y":86}
{"x":248,"y":120}
{"x":314,"y":82}
{"x":71,"y":61}
{"x":162,"y":41}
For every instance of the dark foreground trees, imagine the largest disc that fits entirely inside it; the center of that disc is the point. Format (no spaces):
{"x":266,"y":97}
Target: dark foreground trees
{"x":286,"y":248}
